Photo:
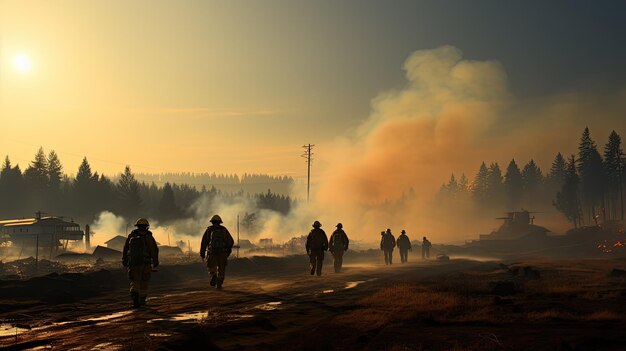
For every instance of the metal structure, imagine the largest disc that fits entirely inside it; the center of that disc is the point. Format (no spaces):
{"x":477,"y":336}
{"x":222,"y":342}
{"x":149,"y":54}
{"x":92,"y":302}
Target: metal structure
{"x":516,"y":225}
{"x":41,"y":231}
{"x":309,"y":157}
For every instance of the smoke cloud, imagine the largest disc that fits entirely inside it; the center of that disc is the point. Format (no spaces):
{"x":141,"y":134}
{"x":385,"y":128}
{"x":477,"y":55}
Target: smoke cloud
{"x":452,"y":114}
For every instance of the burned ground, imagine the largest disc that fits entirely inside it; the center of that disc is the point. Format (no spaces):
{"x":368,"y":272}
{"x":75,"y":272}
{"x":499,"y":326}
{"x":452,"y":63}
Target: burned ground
{"x":272,"y":303}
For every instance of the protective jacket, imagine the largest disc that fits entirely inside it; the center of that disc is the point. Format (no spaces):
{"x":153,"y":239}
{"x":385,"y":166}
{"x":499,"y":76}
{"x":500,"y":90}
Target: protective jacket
{"x":216,"y":239}
{"x":387,"y":242}
{"x":403,"y":242}
{"x":143,"y":251}
{"x":338,"y":241}
{"x":317,"y":240}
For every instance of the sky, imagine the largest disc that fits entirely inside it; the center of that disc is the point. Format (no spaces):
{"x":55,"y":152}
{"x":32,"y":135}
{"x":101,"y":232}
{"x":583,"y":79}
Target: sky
{"x":240,"y":86}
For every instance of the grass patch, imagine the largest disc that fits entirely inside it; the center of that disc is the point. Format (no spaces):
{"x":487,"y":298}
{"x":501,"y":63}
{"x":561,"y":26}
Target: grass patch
{"x":403,"y":297}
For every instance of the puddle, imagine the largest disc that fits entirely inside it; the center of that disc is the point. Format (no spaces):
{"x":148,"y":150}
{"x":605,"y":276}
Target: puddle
{"x":10,"y":330}
{"x":197,"y":317}
{"x":108,"y":317}
{"x":351,"y":285}
{"x":160,"y":335}
{"x":329,"y":291}
{"x":234,"y":317}
{"x":171,"y":295}
{"x":191,"y":317}
{"x":270,"y":306}
{"x":106,"y":346}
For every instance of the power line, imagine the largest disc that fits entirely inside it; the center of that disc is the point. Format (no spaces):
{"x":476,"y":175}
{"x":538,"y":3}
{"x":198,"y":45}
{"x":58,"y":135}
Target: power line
{"x":309,"y":157}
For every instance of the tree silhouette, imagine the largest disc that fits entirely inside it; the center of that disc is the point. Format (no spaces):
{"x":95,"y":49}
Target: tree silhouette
{"x":612,"y":167}
{"x":567,"y":198}
{"x":495,"y":187}
{"x":558,"y":173}
{"x":591,"y":172}
{"x":479,"y":185}
{"x":532,"y":183}
{"x":513,"y":186}
{"x":128,"y":190}
{"x":11,"y":189}
{"x":167,"y":209}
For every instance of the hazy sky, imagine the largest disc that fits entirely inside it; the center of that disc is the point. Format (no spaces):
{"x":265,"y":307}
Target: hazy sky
{"x":239,"y":86}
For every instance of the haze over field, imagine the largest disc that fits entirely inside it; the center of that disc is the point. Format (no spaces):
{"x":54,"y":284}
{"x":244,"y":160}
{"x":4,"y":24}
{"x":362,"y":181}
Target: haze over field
{"x":395,"y":101}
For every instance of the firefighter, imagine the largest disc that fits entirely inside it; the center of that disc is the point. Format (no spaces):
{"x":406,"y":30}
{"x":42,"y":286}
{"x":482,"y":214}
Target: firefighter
{"x":426,"y":248}
{"x":338,"y":245}
{"x":316,"y":244}
{"x":216,"y":246}
{"x":404,"y":245}
{"x":387,"y":243}
{"x":140,"y":255}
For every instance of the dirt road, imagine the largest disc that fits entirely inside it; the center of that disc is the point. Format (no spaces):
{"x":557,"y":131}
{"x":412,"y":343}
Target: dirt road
{"x":260,"y":310}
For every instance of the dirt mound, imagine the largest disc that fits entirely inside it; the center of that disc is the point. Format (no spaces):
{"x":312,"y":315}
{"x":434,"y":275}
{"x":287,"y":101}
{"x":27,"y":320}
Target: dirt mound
{"x":56,"y":288}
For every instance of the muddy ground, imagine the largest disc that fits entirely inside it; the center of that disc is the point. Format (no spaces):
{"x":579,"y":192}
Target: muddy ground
{"x":273,"y":304}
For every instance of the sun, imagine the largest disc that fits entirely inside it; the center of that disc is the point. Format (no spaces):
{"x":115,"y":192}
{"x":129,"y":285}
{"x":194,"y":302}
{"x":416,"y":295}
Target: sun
{"x":22,"y":63}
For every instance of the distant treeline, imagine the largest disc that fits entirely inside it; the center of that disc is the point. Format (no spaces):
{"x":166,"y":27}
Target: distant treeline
{"x":44,"y":186}
{"x":586,"y":188}
{"x":248,"y":183}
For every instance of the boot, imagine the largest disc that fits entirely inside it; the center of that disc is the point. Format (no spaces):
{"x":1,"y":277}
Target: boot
{"x":135,"y":297}
{"x":213,"y":279}
{"x":312,"y":269}
{"x":142,"y":300}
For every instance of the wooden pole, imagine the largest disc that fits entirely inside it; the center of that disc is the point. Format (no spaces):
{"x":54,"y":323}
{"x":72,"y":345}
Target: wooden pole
{"x":238,"y":236}
{"x":37,"y":252}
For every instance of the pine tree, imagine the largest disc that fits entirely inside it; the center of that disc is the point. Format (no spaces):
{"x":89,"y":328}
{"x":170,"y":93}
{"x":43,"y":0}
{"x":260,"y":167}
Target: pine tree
{"x":85,"y":195}
{"x":558,"y":172}
{"x":452,"y":188}
{"x":612,"y":157}
{"x":12,"y":197}
{"x":567,"y":198}
{"x":167,"y":208}
{"x":128,"y":189}
{"x":463,"y":184}
{"x":55,"y":176}
{"x":513,"y":186}
{"x":495,"y":186}
{"x":532,"y":183}
{"x":479,"y":185}
{"x":36,"y":175}
{"x":55,"y":171}
{"x":84,"y":175}
{"x":591,"y":173}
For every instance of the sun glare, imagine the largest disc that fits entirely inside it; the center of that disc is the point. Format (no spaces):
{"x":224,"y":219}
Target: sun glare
{"x":22,"y":63}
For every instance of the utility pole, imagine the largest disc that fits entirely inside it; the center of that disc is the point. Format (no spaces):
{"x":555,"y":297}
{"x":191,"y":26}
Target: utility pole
{"x":238,"y":246}
{"x":309,"y":157}
{"x":37,"y":252}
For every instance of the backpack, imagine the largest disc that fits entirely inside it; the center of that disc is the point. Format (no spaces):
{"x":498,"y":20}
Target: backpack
{"x":137,"y":251}
{"x":388,"y":241}
{"x":338,"y":243}
{"x":218,"y":240}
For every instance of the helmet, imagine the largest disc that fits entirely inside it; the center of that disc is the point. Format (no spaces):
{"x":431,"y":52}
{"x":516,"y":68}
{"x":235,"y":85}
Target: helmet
{"x":339,"y":225}
{"x":143,"y":222}
{"x":317,"y":224}
{"x":403,"y":231}
{"x":216,"y":219}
